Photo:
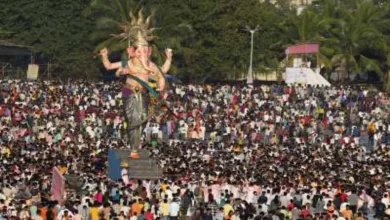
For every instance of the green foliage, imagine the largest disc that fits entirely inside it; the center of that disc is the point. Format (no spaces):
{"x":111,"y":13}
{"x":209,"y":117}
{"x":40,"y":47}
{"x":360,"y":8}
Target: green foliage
{"x":207,"y":37}
{"x":108,"y":15}
{"x":353,"y":34}
{"x":55,"y":29}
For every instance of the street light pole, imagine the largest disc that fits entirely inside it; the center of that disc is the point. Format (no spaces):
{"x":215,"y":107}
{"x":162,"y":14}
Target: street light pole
{"x":249,"y":79}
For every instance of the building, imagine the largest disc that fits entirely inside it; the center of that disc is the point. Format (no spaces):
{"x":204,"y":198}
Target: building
{"x":296,"y":3}
{"x":300,"y":2}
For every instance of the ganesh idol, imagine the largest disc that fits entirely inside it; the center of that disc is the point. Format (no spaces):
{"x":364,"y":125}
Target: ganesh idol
{"x":138,"y":69}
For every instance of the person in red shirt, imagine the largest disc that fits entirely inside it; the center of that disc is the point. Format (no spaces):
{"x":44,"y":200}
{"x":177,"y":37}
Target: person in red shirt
{"x":343,"y":196}
{"x":305,"y":212}
{"x":149,"y":215}
{"x":291,"y":206}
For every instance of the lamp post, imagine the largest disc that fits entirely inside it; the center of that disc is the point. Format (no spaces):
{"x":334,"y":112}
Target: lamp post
{"x":249,"y":79}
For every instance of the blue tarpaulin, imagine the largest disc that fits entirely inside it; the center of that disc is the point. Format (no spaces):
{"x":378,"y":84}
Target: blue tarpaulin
{"x":114,"y":168}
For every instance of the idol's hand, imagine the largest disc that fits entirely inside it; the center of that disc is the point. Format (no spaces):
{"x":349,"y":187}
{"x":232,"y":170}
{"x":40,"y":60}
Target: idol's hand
{"x":125,"y":71}
{"x":103,"y":52}
{"x":168,"y":53}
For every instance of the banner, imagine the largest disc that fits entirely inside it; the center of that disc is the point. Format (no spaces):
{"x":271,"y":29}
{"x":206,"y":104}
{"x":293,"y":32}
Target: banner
{"x":57,"y":185}
{"x":32,"y":72}
{"x":296,"y":75}
{"x":303,"y":49}
{"x":304,"y":76}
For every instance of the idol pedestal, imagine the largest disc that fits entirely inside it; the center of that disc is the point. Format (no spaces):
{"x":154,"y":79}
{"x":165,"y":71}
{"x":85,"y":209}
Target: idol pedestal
{"x":142,"y":168}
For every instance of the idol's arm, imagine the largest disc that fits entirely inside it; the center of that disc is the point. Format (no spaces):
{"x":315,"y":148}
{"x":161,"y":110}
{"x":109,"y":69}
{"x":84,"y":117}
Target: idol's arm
{"x":106,"y":62}
{"x":161,"y":80}
{"x":110,"y":66}
{"x":167,"y":65}
{"x":122,"y":71}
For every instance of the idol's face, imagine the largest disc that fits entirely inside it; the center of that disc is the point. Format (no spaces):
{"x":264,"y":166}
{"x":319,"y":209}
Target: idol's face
{"x":141,"y":52}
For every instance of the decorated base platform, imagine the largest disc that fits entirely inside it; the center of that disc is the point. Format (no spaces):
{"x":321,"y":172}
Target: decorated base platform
{"x":142,"y":168}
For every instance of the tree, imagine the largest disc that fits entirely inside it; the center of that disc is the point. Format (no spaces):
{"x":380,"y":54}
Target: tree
{"x":221,"y":44}
{"x":348,"y":37}
{"x":358,"y":31}
{"x":55,"y":29}
{"x":174,"y":30}
{"x":109,"y":16}
{"x":4,"y":33}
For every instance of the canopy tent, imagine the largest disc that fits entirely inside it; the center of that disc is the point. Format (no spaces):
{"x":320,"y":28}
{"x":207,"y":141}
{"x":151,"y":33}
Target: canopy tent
{"x":11,"y":49}
{"x":311,"y":48}
{"x":14,"y":58}
{"x":303,"y":73}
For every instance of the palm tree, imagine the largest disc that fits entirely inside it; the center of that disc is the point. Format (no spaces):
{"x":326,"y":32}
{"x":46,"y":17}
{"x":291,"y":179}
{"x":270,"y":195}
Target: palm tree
{"x":386,"y":45}
{"x":307,"y":28}
{"x":109,"y":16}
{"x":386,"y":77}
{"x":344,"y":34}
{"x":356,"y":32}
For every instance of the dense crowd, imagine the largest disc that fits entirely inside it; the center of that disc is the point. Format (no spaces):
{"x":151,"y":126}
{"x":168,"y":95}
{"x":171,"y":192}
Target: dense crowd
{"x":228,"y":152}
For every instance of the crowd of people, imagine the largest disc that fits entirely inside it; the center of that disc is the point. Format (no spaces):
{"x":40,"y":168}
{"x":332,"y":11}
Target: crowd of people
{"x":228,"y":152}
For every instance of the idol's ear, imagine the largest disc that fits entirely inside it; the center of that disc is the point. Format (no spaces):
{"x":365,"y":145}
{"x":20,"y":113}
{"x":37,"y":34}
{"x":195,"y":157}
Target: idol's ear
{"x":131,"y":51}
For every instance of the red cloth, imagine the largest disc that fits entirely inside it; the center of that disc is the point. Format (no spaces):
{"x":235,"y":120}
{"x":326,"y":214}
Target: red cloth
{"x":344,"y":197}
{"x":99,"y":197}
{"x":291,"y":206}
{"x":149,"y":216}
{"x":305,"y":213}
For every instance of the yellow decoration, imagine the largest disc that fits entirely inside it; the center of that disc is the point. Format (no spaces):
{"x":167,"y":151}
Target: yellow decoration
{"x":124,"y":164}
{"x":137,"y":30}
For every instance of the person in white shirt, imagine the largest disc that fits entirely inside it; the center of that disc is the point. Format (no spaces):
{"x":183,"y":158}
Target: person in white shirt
{"x":270,"y":197}
{"x":24,"y":214}
{"x":125,"y":176}
{"x":174,"y":209}
{"x":385,"y":200}
{"x":285,"y":199}
{"x":306,"y":199}
{"x":343,"y":206}
{"x":169,"y":193}
{"x":38,"y":216}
